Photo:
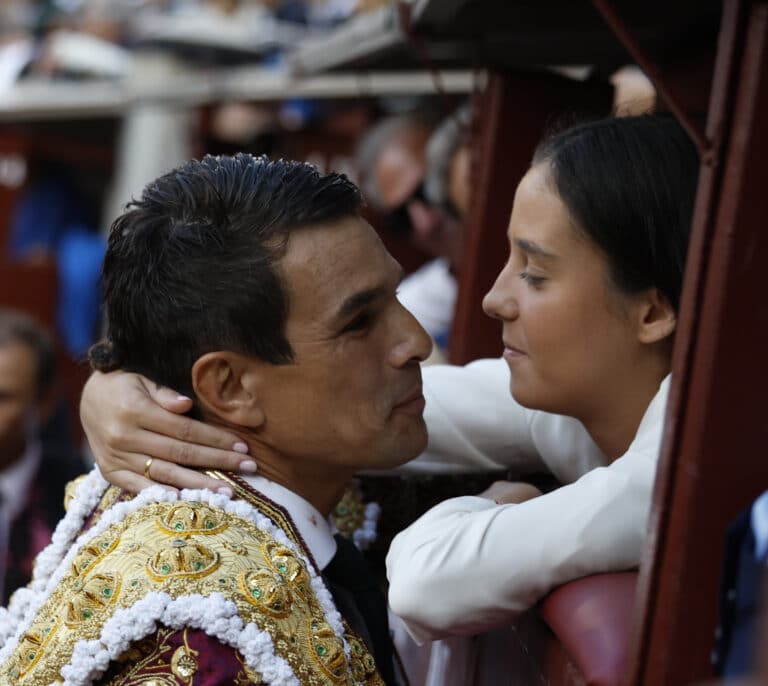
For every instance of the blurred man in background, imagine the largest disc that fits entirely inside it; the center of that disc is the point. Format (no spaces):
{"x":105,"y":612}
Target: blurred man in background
{"x":33,"y":471}
{"x":409,"y":170}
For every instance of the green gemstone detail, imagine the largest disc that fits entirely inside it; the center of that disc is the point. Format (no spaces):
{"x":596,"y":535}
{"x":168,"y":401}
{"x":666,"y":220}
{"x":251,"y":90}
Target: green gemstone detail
{"x":282,"y":569}
{"x":209,"y":524}
{"x":105,"y":544}
{"x":31,"y":656}
{"x":165,"y":569}
{"x":321,"y":650}
{"x":47,"y":630}
{"x":293,"y":639}
{"x":179,"y":526}
{"x":135,"y":583}
{"x":342,"y":510}
{"x":222,"y":581}
{"x":256,"y":592}
{"x":199,"y":565}
{"x":107,"y":592}
{"x":86,"y":615}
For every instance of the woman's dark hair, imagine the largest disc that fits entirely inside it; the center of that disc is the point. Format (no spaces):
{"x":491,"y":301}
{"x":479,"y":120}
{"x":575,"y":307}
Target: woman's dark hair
{"x":192,"y":266}
{"x":629,"y":183}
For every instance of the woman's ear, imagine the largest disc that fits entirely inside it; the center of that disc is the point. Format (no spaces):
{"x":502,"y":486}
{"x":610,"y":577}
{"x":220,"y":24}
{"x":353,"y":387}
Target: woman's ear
{"x":658,"y":319}
{"x":227,"y":385}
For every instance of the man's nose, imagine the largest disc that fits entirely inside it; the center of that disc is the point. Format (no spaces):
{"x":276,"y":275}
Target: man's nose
{"x":413,"y":343}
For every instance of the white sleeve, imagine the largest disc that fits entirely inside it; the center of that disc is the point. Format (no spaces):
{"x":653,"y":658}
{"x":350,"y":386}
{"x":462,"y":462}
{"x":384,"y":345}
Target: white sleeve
{"x":473,"y":422}
{"x":429,"y":294}
{"x":469,"y":565}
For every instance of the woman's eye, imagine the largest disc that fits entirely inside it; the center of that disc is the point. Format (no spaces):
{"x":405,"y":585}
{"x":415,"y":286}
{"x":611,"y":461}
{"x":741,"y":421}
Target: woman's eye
{"x":531,"y":280}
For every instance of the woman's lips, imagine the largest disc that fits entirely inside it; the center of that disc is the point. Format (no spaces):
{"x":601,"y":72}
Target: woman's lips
{"x":512,"y":353}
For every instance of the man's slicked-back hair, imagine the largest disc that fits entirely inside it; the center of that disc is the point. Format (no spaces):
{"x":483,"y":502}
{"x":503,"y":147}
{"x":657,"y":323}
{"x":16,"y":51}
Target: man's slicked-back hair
{"x":191,"y":267}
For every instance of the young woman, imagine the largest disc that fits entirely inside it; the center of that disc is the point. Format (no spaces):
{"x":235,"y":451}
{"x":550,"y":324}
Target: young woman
{"x":588,"y":301}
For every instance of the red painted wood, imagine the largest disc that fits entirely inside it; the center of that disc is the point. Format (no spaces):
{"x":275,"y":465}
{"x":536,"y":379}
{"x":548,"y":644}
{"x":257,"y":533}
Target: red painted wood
{"x":713,"y":457}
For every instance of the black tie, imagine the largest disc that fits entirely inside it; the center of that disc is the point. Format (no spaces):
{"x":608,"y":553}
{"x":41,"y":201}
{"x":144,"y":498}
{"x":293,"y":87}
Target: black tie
{"x":362,"y":603}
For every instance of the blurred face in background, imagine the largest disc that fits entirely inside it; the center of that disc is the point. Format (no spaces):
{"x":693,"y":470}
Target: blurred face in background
{"x":399,"y":176}
{"x":18,"y":399}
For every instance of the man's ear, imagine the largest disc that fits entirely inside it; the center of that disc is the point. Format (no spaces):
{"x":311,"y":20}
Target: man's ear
{"x":228,"y":386}
{"x":657,"y":318}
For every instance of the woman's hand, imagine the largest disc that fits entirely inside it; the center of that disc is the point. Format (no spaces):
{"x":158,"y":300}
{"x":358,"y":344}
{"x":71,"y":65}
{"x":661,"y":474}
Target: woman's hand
{"x":505,"y":492}
{"x":128,"y":419}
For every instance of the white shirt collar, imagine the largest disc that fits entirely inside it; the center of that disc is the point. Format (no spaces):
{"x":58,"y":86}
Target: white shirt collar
{"x":16,"y":479}
{"x":314,"y":528}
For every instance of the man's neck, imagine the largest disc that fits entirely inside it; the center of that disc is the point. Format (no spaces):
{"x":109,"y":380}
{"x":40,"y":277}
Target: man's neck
{"x":318,"y":484}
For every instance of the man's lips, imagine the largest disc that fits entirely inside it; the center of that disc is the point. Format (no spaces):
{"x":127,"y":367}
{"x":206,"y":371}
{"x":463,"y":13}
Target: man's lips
{"x":413,"y":403}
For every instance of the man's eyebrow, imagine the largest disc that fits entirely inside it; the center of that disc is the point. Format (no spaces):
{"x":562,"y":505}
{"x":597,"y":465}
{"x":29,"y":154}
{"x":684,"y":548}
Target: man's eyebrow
{"x":533,"y":248}
{"x":358,"y":301}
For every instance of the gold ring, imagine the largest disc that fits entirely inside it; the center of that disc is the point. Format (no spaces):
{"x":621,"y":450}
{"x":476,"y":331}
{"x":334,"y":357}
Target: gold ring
{"x":147,"y":465}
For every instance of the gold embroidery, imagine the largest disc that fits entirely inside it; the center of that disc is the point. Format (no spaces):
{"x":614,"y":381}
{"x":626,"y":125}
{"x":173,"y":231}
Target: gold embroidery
{"x":349,"y":513}
{"x":247,"y":676}
{"x":362,"y":663}
{"x":92,"y":596}
{"x":97,"y":548}
{"x":31,"y":648}
{"x":189,"y":519}
{"x":183,"y":662}
{"x":143,"y":658}
{"x":268,"y":592}
{"x":70,"y":489}
{"x":327,"y":650}
{"x":99,"y":585}
{"x":182,"y":560}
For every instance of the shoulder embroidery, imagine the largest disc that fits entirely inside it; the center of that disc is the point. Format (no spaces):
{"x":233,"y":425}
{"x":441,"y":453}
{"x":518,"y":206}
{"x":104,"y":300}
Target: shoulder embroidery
{"x":186,"y":563}
{"x":355,"y":519}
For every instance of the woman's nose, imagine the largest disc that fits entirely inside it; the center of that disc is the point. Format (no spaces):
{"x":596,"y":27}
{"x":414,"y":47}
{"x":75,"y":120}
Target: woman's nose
{"x":501,"y":301}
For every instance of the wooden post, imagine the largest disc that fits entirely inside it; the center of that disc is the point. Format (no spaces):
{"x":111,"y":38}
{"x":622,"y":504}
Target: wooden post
{"x":713,"y":458}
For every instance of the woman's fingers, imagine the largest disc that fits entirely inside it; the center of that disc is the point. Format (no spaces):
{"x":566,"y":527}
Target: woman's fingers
{"x":125,"y":424}
{"x":129,"y":481}
{"x":166,"y":397}
{"x":187,"y":454}
{"x":161,"y":473}
{"x":164,"y":472}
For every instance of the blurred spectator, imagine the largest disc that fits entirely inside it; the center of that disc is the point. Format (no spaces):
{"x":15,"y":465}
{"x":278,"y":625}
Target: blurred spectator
{"x":52,"y":222}
{"x":33,"y":471}
{"x":404,"y":160}
{"x":744,"y":564}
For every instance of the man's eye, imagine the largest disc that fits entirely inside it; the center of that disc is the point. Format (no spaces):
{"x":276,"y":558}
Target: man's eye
{"x":359,"y":323}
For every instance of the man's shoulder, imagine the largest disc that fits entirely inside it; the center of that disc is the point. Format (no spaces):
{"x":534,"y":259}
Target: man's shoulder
{"x":203,"y":562}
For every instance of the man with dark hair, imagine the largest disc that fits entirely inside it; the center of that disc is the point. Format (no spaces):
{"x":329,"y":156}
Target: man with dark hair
{"x":32,"y":473}
{"x":255,"y":287}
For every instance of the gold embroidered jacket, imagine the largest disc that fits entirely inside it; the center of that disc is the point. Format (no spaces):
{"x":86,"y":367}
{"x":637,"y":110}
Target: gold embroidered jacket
{"x":199,"y":591}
